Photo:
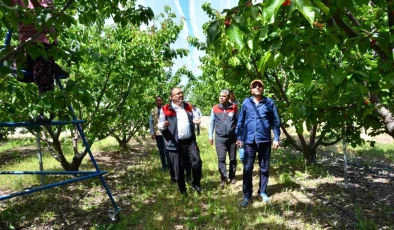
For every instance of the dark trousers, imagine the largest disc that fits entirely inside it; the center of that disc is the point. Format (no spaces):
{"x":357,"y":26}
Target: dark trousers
{"x":187,"y":153}
{"x":197,"y":128}
{"x":224,"y":146}
{"x":164,"y":156}
{"x":174,"y":166}
{"x":264,"y":154}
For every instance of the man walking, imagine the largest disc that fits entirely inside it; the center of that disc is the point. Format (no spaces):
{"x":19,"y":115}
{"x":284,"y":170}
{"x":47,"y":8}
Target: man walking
{"x":257,"y":117}
{"x":235,"y":101}
{"x":177,"y":127}
{"x":197,"y":119}
{"x":223,"y":120}
{"x":156,"y":135}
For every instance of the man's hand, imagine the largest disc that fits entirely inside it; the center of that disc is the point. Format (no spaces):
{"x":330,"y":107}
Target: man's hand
{"x":275,"y":144}
{"x":166,"y":123}
{"x":210,"y":141}
{"x":153,"y":136}
{"x":239,"y":143}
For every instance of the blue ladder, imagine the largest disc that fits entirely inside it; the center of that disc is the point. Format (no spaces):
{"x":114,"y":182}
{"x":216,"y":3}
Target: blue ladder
{"x":113,"y":214}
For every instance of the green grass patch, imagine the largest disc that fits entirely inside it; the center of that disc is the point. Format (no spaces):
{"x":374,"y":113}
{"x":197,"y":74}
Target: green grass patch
{"x":149,"y":201}
{"x":380,"y":151}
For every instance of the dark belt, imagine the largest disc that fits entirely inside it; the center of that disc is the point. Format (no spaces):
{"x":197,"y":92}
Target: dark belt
{"x":185,"y":141}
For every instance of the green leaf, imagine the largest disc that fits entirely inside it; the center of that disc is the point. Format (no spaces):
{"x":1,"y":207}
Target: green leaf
{"x":237,"y":18}
{"x":255,"y":11}
{"x":242,"y":2}
{"x":248,"y":66}
{"x":235,"y":35}
{"x":307,"y":75}
{"x":270,"y":11}
{"x":321,"y":6}
{"x":213,"y":31}
{"x":250,"y":44}
{"x":364,"y":75}
{"x":304,"y":6}
{"x":263,"y":61}
{"x":338,"y":76}
{"x":263,"y":33}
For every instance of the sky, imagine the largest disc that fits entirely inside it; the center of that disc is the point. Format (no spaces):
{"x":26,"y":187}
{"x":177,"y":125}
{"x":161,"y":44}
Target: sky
{"x":195,"y":17}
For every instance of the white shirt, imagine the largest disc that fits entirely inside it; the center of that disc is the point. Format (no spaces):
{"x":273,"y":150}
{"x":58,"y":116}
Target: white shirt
{"x":183,"y":126}
{"x":196,"y":113}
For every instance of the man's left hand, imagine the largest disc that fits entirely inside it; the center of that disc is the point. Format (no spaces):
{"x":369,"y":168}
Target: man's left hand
{"x":275,"y":144}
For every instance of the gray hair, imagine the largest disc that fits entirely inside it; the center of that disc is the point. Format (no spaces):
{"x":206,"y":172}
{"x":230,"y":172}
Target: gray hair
{"x":226,"y":91}
{"x":176,"y":87}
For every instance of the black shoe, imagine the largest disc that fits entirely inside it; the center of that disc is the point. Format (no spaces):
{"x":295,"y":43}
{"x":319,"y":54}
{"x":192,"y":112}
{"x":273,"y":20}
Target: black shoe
{"x":222,"y":183}
{"x":233,"y":181}
{"x":173,"y":181}
{"x":196,"y":188}
{"x":188,"y":179}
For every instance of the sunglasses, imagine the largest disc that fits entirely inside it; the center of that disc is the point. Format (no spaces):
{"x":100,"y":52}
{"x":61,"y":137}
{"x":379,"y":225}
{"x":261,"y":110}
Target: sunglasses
{"x":256,"y":85}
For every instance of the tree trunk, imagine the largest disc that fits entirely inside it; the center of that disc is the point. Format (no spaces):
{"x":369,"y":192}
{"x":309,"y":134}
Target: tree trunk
{"x":309,"y":157}
{"x":122,"y":142}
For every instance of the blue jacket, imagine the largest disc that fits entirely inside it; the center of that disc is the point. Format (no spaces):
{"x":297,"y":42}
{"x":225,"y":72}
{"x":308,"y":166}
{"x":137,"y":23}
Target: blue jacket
{"x":255,"y":122}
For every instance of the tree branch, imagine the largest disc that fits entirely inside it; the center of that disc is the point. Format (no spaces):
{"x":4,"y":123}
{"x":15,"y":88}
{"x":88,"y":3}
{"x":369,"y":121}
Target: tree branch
{"x":385,"y":114}
{"x":331,"y":143}
{"x":292,"y":141}
{"x":278,"y":83}
{"x":352,"y":18}
{"x":312,"y":138}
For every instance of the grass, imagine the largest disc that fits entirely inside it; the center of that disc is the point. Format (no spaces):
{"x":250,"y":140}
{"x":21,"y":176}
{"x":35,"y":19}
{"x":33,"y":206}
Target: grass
{"x":384,"y":152}
{"x":149,"y":201}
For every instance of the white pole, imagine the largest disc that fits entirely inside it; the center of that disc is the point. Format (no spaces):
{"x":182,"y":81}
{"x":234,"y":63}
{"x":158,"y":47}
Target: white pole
{"x":344,"y":155}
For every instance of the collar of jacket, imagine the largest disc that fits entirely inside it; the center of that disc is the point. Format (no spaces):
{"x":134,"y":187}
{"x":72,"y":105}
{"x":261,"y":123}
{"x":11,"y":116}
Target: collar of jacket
{"x":170,"y":111}
{"x":263,"y":99}
{"x":229,"y":105}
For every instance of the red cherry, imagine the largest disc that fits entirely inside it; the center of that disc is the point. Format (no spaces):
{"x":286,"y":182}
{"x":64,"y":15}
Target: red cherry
{"x":286,"y":3}
{"x":367,"y":102}
{"x":373,"y":42}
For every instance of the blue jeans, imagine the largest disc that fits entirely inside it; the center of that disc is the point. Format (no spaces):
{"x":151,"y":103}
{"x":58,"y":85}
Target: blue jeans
{"x":264,"y":154}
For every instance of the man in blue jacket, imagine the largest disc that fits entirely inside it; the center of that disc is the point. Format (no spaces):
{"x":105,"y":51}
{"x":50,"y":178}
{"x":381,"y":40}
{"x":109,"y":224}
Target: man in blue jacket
{"x":257,"y":117}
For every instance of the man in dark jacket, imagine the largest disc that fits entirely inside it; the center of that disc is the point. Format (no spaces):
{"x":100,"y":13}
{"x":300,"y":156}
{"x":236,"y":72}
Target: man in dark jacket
{"x":257,"y":117}
{"x":223,"y":120}
{"x":177,"y":127}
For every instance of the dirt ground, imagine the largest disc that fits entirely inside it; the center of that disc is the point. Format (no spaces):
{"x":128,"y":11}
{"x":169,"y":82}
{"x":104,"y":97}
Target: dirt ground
{"x":367,"y":202}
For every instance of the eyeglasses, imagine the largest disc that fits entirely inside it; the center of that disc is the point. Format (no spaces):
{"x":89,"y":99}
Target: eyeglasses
{"x":179,"y":93}
{"x":256,"y":85}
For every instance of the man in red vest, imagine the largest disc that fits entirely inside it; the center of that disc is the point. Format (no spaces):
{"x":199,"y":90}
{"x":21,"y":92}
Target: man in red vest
{"x":177,"y":127}
{"x":224,"y":117}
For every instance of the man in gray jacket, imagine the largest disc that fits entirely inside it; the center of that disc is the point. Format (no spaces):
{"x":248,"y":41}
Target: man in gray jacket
{"x":223,"y":120}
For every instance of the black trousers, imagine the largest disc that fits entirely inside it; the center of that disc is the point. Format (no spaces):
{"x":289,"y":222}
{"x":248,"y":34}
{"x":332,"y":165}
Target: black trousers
{"x":224,"y":146}
{"x":187,"y":153}
{"x":197,"y":128}
{"x":174,"y":166}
